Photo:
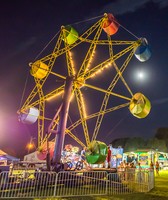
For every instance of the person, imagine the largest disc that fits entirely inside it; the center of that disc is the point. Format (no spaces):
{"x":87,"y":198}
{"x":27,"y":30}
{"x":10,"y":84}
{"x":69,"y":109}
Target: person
{"x":151,"y":165}
{"x":83,"y":154}
{"x":83,"y":158}
{"x":108,"y":158}
{"x":11,"y":166}
{"x":132,"y":171}
{"x":121,"y":170}
{"x":139,"y":172}
{"x":157,"y":168}
{"x":126,"y":171}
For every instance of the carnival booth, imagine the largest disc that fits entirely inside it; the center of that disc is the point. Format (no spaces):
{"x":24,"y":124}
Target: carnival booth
{"x":116,"y":156}
{"x":145,"y":156}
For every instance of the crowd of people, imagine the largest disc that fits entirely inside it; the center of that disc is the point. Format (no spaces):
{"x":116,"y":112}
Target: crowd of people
{"x":123,"y":166}
{"x":155,"y":166}
{"x":127,"y":170}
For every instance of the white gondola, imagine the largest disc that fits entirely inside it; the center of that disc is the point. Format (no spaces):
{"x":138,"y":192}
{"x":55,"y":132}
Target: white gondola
{"x":30,"y":116}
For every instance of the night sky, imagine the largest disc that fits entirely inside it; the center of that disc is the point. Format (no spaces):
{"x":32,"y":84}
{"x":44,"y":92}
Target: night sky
{"x":27,"y":26}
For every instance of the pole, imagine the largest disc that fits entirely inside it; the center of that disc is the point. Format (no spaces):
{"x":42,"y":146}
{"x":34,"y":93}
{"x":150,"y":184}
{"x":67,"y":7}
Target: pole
{"x":60,"y":136}
{"x":48,"y":157}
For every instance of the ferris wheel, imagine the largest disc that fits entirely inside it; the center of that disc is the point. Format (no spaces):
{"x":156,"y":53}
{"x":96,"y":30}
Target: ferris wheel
{"x":88,"y":67}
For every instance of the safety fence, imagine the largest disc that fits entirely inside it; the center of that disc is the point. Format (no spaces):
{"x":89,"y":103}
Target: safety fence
{"x":27,"y":184}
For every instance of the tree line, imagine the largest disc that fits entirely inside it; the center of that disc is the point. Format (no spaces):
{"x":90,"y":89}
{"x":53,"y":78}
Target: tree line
{"x":158,"y":142}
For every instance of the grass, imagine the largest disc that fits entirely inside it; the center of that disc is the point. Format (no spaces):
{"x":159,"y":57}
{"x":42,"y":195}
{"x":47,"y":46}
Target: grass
{"x":159,"y":192}
{"x":161,"y":185}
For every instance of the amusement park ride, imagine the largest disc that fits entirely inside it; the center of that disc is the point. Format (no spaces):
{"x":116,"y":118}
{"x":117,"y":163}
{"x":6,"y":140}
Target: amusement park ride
{"x":63,"y":79}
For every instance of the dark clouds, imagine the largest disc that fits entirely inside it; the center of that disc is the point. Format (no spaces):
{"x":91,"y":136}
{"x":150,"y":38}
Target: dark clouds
{"x":121,"y":7}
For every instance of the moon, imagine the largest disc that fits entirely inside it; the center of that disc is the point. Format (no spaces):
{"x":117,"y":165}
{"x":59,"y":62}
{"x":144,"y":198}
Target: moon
{"x":141,"y":75}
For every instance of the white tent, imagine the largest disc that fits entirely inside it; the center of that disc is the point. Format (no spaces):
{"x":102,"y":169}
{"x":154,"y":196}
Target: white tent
{"x":32,"y":157}
{"x":6,"y":159}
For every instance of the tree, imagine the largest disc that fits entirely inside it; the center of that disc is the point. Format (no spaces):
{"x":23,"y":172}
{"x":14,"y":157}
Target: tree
{"x":134,"y":143}
{"x":162,"y":133}
{"x":155,"y":143}
{"x":119,"y":142}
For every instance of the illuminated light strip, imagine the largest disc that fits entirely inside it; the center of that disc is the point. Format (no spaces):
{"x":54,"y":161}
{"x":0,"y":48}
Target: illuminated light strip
{"x":101,"y":69}
{"x":83,"y":105}
{"x":72,"y":63}
{"x":102,"y":65}
{"x":47,"y":97}
{"x":90,"y":60}
{"x":84,"y":35}
{"x":52,"y":97}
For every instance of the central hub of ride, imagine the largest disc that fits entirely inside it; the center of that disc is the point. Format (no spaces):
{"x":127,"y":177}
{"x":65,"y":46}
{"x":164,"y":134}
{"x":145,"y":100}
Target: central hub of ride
{"x":79,"y":82}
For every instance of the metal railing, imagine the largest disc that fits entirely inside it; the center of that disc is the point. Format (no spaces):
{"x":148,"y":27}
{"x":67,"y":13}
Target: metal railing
{"x":29,"y":184}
